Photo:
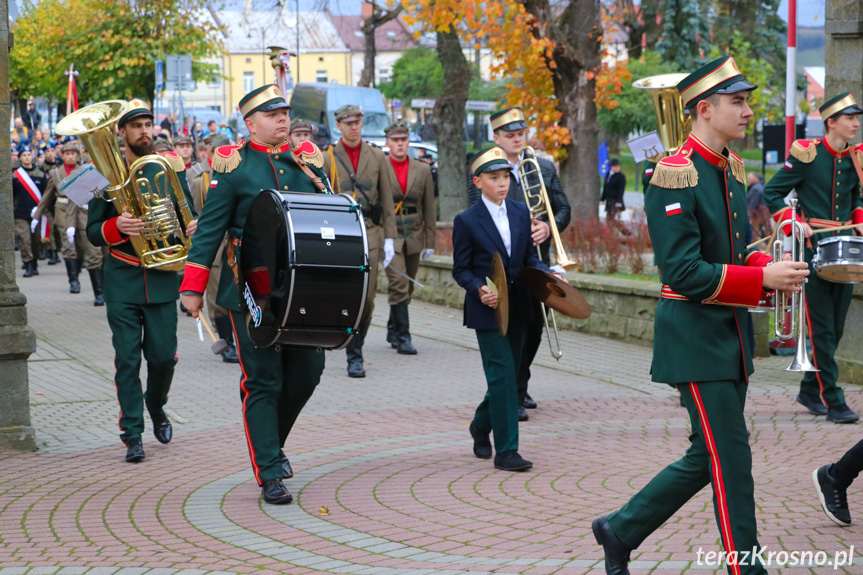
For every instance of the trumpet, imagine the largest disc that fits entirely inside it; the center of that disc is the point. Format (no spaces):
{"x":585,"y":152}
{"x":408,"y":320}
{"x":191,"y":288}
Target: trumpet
{"x":797,"y":308}
{"x":536,"y":198}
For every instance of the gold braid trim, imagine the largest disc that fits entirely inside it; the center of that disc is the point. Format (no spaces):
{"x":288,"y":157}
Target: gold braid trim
{"x":738,"y":168}
{"x":176,"y":162}
{"x":226,"y":159}
{"x":804,"y":154}
{"x":675,"y":176}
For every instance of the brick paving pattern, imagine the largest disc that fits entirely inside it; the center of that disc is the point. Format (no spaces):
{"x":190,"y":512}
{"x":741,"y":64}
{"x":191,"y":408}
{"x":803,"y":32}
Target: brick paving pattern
{"x":385,"y":482}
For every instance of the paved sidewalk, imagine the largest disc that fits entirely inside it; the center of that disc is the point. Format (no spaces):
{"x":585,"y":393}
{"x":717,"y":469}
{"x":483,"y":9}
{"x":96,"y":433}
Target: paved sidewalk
{"x":385,"y":479}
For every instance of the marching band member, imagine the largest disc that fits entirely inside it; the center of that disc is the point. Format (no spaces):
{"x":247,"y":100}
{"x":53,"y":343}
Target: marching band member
{"x":696,"y":215}
{"x":275,"y":384}
{"x":141,"y":307}
{"x":828,"y":189}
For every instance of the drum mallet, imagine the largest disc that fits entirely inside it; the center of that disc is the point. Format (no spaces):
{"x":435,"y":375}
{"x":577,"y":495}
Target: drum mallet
{"x":219,"y":346}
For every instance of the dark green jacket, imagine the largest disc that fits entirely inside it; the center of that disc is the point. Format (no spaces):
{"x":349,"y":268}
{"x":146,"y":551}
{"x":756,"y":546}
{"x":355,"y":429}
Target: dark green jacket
{"x":239,"y":174}
{"x":828,"y":189}
{"x":696,"y":215}
{"x":125,"y":279}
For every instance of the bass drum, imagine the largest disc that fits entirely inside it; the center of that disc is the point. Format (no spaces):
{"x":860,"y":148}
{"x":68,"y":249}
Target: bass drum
{"x":303,"y":269}
{"x":839,"y":259}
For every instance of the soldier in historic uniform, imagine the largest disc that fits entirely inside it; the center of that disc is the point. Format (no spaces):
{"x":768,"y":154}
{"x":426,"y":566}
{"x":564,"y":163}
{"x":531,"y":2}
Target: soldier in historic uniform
{"x":356,"y":168}
{"x":301,"y":131}
{"x":72,"y":222}
{"x":275,"y":384}
{"x":696,"y":215}
{"x":140,"y":302}
{"x":200,"y":176}
{"x":828,"y":192}
{"x":28,"y":183}
{"x":510,"y":133}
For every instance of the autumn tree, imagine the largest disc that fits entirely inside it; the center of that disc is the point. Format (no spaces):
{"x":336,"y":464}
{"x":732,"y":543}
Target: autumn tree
{"x":113,"y":43}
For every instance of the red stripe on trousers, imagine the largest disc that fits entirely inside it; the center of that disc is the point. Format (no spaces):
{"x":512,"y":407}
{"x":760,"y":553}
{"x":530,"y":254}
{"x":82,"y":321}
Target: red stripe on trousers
{"x":255,"y":467}
{"x":815,"y":357}
{"x":718,"y":483}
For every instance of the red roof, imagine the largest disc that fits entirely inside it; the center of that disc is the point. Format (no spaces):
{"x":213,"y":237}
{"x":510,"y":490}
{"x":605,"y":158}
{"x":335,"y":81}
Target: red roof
{"x":392,"y":36}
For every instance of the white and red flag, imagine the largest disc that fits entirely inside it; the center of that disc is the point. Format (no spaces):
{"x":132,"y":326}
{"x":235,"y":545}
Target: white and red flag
{"x":34,"y":192}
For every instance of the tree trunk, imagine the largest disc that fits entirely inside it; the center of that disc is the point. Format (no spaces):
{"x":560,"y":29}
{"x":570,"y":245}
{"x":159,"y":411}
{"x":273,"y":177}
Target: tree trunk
{"x":367,"y":78}
{"x":576,"y":34}
{"x":448,"y":124}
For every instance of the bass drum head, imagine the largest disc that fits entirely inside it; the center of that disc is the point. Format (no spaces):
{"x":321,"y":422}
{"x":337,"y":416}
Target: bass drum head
{"x":263,"y":268}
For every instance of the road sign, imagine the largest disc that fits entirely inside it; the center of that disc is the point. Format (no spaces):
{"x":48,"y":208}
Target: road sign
{"x":178,"y":73}
{"x":160,"y":76}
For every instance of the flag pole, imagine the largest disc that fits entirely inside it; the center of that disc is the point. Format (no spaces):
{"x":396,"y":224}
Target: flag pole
{"x":791,"y":76}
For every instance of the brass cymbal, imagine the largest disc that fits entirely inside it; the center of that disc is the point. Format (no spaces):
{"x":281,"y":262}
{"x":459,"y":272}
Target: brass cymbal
{"x":498,"y":276}
{"x":555,"y":293}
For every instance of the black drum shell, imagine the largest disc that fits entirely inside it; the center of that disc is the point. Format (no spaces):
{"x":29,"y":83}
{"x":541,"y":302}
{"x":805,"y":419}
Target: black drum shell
{"x":839,"y":259}
{"x":304,"y":262}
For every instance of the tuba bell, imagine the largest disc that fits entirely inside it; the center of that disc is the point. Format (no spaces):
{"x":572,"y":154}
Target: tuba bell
{"x":163,"y":242}
{"x":673,"y":125}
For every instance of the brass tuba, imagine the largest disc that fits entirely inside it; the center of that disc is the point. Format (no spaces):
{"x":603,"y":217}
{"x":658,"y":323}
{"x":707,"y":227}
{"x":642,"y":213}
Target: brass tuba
{"x":163,"y":242}
{"x":673,"y":125}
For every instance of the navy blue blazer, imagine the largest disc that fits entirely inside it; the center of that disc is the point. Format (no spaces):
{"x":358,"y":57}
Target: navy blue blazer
{"x":474,"y":239}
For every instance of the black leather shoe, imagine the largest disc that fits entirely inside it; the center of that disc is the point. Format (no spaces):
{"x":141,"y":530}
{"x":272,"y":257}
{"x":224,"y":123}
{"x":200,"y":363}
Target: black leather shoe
{"x":529,"y":402}
{"x":616,"y":553}
{"x":134,"y":451}
{"x":522,"y":414}
{"x":481,"y":442}
{"x":812,"y":402}
{"x":842,"y":414}
{"x":355,"y":368}
{"x":162,"y":428}
{"x":511,"y":461}
{"x":230,"y":355}
{"x":274,"y":492}
{"x":406,"y":347}
{"x":834,"y":499}
{"x":287,"y":472}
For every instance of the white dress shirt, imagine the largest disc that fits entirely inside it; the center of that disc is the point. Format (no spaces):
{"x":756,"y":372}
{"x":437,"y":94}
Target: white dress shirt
{"x":501,"y":221}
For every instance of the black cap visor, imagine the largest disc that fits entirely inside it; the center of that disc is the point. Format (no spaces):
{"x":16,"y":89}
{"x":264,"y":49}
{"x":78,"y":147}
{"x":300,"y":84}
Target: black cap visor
{"x":134,"y":114}
{"x":849,"y":111}
{"x":738,"y":86}
{"x":513,"y":126}
{"x":274,"y":104}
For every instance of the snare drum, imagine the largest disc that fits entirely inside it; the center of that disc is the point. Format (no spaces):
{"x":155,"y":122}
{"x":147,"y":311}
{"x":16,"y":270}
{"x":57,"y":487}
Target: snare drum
{"x":839,"y":259}
{"x":765,"y":304}
{"x":303,"y":269}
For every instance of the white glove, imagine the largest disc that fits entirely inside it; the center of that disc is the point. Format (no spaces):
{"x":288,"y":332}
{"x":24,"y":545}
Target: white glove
{"x":33,"y":211}
{"x":389,"y":251}
{"x":426,"y":253}
{"x":70,"y":235}
{"x":559,"y":269}
{"x":33,"y":225}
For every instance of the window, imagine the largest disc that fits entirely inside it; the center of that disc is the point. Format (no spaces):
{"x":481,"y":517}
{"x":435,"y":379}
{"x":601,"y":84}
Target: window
{"x":248,"y":60}
{"x":391,"y":34}
{"x":248,"y":82}
{"x":320,"y":58}
{"x":321,"y":76}
{"x":358,"y":33}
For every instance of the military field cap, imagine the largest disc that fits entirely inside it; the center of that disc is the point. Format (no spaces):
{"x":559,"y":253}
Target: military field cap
{"x":263,"y":99}
{"x":721,"y":76}
{"x":137,"y":107}
{"x":841,"y":104}
{"x":70,"y":147}
{"x":162,"y":146}
{"x":183,"y":139}
{"x":489,"y":160}
{"x":396,"y":130}
{"x":219,"y":140}
{"x":300,"y":125}
{"x":349,"y":113}
{"x":509,"y":120}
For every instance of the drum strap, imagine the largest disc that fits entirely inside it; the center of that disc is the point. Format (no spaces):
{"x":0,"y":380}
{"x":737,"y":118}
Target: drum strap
{"x":316,"y":180}
{"x":856,"y":162}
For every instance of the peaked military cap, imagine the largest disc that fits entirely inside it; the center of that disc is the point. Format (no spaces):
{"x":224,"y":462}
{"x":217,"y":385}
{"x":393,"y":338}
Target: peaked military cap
{"x":136,"y":107}
{"x":162,"y":145}
{"x":509,"y":120}
{"x":349,"y":113}
{"x":70,"y":147}
{"x":396,"y":129}
{"x":489,"y":160}
{"x":721,"y":76}
{"x":841,"y":104}
{"x":219,"y":140}
{"x":263,"y":99}
{"x":300,"y":125}
{"x":183,"y":139}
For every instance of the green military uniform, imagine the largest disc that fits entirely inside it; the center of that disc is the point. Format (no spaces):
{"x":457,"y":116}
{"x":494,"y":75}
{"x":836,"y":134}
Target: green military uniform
{"x":67,"y":215}
{"x":276,"y":384}
{"x":648,"y":168}
{"x":696,"y":215}
{"x":413,"y":196}
{"x":828,"y":192}
{"x":140,"y":306}
{"x":369,"y":166}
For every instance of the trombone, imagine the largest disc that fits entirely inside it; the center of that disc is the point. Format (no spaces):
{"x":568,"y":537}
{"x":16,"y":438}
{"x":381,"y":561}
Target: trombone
{"x":536,"y":198}
{"x":797,"y":308}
